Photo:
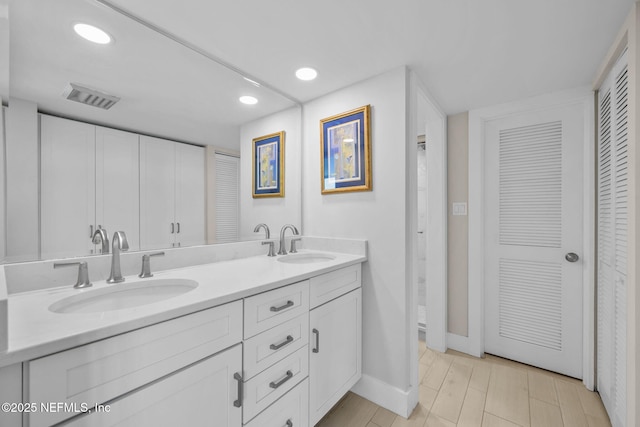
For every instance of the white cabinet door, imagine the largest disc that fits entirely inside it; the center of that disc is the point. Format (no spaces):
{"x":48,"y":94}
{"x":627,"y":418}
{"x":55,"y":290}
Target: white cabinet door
{"x":157,"y":193}
{"x":190,"y":195}
{"x":67,"y":187}
{"x":336,"y":352}
{"x":11,"y":392}
{"x":202,"y":395}
{"x":117,"y":184}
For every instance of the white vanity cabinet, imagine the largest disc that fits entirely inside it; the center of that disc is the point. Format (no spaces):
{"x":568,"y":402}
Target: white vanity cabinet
{"x":201,"y":395}
{"x":280,"y":358}
{"x":103,"y":371}
{"x":172,"y":194}
{"x":276,"y":352}
{"x":11,"y":392}
{"x":89,"y":178}
{"x":335,"y":363}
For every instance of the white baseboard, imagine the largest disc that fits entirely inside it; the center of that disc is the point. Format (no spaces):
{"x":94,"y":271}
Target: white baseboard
{"x":458,"y":343}
{"x":385,"y":395}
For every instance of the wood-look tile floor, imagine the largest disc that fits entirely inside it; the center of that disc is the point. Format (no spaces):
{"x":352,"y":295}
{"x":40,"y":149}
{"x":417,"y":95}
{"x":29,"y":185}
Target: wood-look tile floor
{"x":460,"y":390}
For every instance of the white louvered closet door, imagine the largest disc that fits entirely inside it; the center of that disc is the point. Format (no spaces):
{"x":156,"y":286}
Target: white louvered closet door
{"x":227,"y":198}
{"x":612,"y":242}
{"x":533,"y":219}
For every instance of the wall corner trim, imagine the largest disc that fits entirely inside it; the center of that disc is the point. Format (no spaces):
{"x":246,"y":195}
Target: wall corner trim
{"x":385,"y":395}
{"x":459,"y":343}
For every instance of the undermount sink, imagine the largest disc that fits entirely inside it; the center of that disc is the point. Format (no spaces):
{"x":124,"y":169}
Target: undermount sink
{"x":306,"y":258}
{"x":124,"y":295}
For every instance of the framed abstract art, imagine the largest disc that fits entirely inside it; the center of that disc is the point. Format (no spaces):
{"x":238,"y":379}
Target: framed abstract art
{"x":268,"y":165}
{"x":345,"y":156}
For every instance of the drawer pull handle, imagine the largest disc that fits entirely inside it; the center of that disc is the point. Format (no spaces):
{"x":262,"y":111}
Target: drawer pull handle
{"x":288,"y":424}
{"x":282,"y":307}
{"x":317,"y":332}
{"x":238,"y":377}
{"x":288,"y":340}
{"x":286,"y":378}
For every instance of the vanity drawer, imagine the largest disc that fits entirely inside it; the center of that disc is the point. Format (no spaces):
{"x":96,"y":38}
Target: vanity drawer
{"x":266,"y":310}
{"x":292,"y":408}
{"x":268,"y":386}
{"x":100,"y":371}
{"x":267,"y":348}
{"x":329,"y":286}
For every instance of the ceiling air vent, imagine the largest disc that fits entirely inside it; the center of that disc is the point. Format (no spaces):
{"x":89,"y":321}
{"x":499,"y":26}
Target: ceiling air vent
{"x":95,"y":98}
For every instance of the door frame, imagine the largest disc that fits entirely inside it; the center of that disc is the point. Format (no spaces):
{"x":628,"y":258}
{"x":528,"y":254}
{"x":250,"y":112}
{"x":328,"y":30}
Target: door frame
{"x":477,"y":119}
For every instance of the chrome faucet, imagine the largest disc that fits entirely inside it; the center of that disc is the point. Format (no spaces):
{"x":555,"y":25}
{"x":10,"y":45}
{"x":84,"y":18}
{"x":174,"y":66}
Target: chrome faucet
{"x":101,"y":236}
{"x":266,"y":230}
{"x":119,"y":243}
{"x":267,"y":241}
{"x":283,"y":249}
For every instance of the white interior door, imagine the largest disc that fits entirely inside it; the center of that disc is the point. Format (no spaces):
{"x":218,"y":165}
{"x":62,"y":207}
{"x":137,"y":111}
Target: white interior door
{"x":227,"y":198}
{"x":612,"y":241}
{"x":533,"y":225}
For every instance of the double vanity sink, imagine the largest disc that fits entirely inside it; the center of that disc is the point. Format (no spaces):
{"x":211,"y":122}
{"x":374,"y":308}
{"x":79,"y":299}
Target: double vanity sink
{"x":128,"y":295}
{"x":279,"y":336}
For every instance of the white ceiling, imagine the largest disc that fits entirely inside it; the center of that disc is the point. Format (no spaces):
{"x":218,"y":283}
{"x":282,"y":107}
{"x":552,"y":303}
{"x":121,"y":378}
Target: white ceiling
{"x":469,"y":53}
{"x":165,"y":89}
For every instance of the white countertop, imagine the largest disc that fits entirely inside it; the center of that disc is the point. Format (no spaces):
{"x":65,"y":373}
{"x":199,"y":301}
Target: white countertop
{"x":34,"y":331}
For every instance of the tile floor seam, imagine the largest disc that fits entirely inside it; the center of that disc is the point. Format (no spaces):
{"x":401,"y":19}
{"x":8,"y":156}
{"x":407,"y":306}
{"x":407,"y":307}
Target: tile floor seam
{"x":504,"y":419}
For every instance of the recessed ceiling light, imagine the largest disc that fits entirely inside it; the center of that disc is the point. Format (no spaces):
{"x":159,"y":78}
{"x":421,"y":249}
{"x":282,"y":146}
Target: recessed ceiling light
{"x":249,"y":100}
{"x":91,"y":33}
{"x":306,"y":73}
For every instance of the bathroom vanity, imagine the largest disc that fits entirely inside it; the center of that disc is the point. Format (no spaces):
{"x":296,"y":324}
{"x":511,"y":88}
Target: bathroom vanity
{"x":258,"y":341}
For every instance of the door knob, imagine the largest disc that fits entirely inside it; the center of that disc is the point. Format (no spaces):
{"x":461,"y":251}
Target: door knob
{"x":571,"y":257}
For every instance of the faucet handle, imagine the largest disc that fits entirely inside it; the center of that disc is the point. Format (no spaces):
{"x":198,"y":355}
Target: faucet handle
{"x":83,"y":273}
{"x":272,"y":249}
{"x":293,"y":249}
{"x":146,"y":264}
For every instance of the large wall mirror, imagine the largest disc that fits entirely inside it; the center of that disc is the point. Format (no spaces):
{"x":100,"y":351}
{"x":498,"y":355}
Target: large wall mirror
{"x":160,"y":163}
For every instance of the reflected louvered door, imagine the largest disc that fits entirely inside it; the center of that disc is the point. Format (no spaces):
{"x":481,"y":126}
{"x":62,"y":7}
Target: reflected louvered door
{"x":533,"y":219}
{"x":227,"y":201}
{"x":612,"y":241}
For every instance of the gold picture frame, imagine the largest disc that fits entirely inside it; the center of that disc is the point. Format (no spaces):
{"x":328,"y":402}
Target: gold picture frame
{"x":345,"y":152}
{"x":268,"y":165}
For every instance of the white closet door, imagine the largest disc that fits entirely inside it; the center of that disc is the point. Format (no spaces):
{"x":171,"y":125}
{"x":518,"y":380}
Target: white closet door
{"x":612,"y":241}
{"x":67,"y":187}
{"x":157,"y":193}
{"x":534,"y":209}
{"x":117,"y":184}
{"x":227,"y":198}
{"x":190,"y":195}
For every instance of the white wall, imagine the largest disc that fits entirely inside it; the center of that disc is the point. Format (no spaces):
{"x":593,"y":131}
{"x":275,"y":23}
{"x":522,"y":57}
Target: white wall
{"x":22,"y":180}
{"x":273,"y":211}
{"x":378,"y":216}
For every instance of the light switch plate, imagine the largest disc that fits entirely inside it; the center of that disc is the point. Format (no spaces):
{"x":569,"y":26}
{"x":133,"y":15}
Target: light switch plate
{"x":460,"y":208}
